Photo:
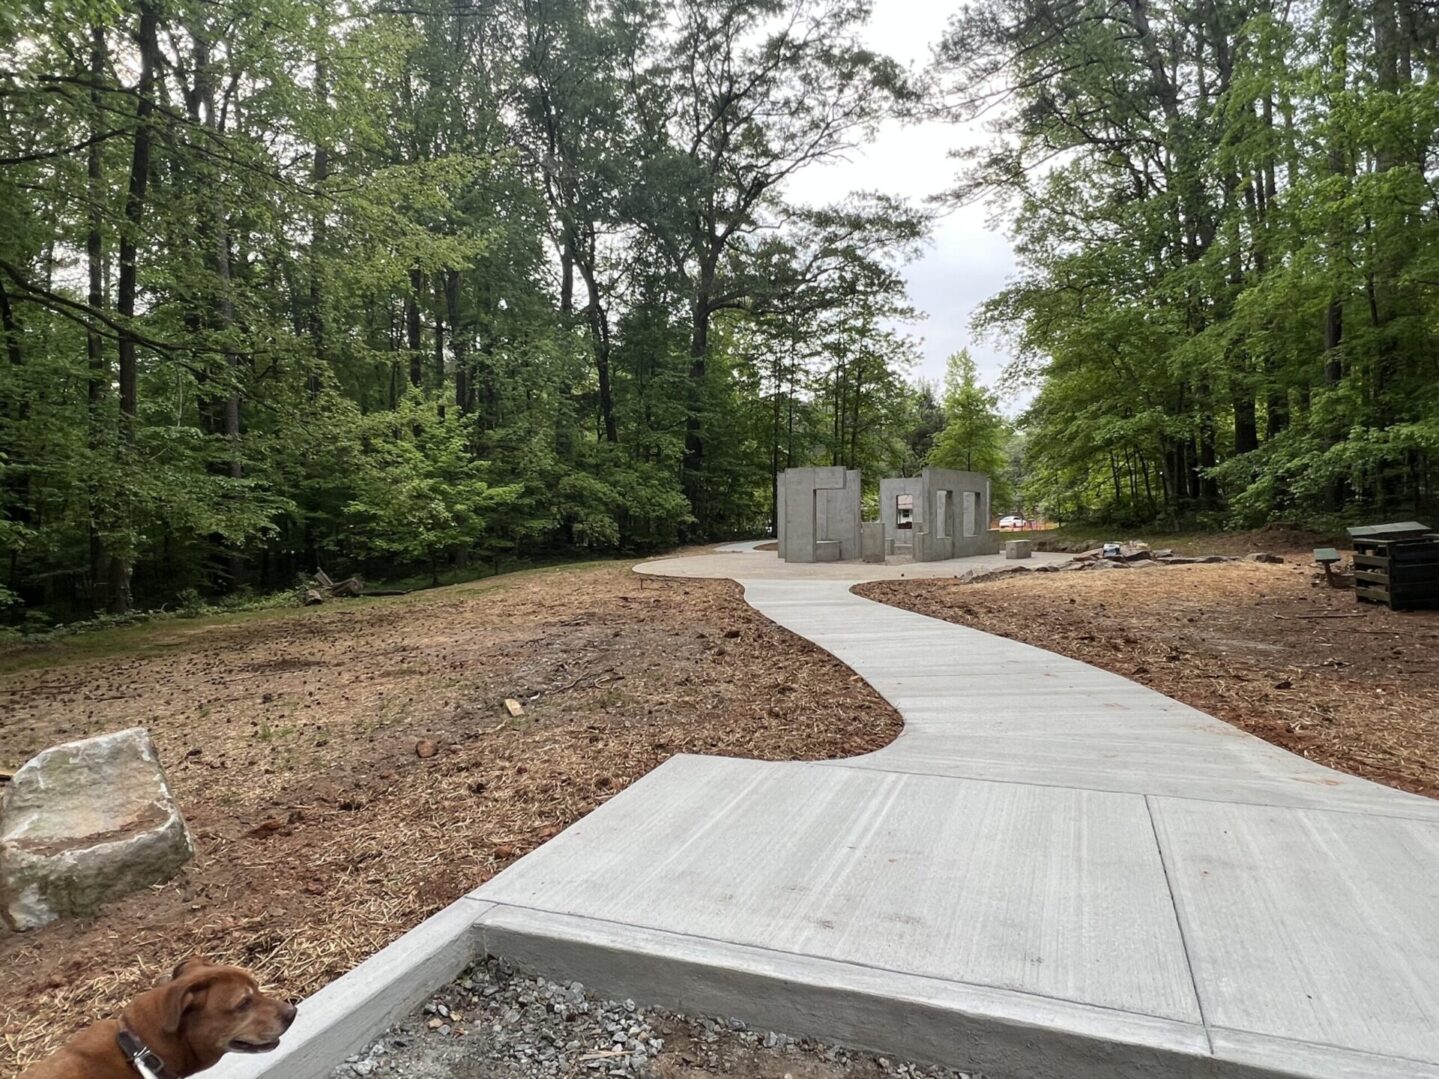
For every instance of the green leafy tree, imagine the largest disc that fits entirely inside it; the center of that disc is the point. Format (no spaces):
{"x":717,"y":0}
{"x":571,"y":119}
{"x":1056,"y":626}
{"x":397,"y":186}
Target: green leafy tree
{"x":975,"y":435}
{"x":1226,"y":223}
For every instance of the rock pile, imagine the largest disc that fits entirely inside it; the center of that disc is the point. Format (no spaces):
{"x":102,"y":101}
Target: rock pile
{"x":497,"y":1021}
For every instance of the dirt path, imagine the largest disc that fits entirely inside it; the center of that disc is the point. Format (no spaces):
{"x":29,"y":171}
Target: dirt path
{"x":291,"y":743}
{"x":1352,"y":686}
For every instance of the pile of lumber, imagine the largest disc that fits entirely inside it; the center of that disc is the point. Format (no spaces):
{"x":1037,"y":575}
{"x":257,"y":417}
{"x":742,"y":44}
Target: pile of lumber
{"x":322,"y":588}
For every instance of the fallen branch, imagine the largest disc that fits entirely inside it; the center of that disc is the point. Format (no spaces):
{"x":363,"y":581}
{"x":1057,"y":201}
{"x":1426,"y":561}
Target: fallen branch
{"x":1296,"y":617}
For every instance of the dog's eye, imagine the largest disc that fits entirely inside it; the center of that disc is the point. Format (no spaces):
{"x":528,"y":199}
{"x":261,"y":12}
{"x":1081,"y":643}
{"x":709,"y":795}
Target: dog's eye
{"x":244,"y":1005}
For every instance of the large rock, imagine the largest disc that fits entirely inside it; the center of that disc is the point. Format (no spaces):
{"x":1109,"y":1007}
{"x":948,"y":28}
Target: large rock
{"x":86,"y":822}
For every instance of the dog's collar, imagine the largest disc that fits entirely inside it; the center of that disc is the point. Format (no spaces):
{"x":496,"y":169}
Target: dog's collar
{"x":141,"y":1057}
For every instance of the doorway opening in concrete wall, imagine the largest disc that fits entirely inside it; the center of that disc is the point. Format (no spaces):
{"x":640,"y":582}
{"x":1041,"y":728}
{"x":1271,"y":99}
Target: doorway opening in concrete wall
{"x":904,"y":511}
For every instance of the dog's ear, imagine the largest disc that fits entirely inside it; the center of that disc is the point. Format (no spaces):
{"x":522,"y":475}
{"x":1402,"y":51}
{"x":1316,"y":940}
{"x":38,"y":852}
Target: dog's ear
{"x":180,"y":996}
{"x":186,"y":966}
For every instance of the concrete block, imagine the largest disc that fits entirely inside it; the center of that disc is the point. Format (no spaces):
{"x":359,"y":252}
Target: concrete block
{"x":1018,"y":549}
{"x":351,"y":1011}
{"x":891,"y":490}
{"x":819,"y":505}
{"x":963,"y":498}
{"x":871,"y":541}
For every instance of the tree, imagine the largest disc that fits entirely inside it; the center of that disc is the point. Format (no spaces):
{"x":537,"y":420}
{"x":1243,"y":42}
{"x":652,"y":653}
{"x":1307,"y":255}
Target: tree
{"x":400,"y":287}
{"x":975,"y":434}
{"x":1225,"y":304}
{"x":751,"y":92}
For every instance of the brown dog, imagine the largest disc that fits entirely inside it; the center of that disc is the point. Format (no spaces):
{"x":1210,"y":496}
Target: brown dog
{"x":177,"y":1029}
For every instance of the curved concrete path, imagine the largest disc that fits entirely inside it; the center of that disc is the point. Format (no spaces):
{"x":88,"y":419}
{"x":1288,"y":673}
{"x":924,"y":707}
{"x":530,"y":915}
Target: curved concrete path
{"x":1053,"y":871}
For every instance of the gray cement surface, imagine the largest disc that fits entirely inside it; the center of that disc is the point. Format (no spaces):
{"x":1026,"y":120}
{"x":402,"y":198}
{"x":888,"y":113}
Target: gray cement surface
{"x":1052,"y":872}
{"x":740,"y":562}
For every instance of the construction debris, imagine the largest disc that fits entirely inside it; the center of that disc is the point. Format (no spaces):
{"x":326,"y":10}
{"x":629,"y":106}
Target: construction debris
{"x":350,"y":588}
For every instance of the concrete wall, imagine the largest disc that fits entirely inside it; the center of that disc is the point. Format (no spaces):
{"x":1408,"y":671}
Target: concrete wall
{"x":819,"y":514}
{"x":963,"y":500}
{"x":871,"y":541}
{"x":889,"y":491}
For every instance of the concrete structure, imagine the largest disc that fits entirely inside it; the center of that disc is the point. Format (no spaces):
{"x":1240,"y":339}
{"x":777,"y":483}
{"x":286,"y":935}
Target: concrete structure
{"x":871,"y":542}
{"x":901,"y":510}
{"x":819,"y":514}
{"x":956,"y":515}
{"x":939,"y":514}
{"x":1018,"y":549}
{"x":1053,"y":872}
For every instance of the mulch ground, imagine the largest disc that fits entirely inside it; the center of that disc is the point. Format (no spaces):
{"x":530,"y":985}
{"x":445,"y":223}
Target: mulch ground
{"x":1349,"y":685}
{"x":292,"y":744}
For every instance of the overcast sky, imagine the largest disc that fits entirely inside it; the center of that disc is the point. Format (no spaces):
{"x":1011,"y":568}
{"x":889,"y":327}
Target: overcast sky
{"x":967,"y":260}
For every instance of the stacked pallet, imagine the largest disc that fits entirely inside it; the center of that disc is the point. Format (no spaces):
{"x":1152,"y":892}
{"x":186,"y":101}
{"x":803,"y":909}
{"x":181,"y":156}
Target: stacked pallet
{"x":1397,"y":565}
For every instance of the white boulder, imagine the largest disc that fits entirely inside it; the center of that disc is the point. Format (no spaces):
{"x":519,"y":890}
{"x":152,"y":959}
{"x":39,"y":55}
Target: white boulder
{"x":83,"y":823}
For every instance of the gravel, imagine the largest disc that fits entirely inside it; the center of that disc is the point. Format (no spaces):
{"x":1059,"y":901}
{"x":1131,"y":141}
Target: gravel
{"x":496,"y":1021}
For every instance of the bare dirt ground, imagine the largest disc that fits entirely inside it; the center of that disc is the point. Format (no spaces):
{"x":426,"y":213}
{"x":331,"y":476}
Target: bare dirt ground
{"x":1350,"y":685}
{"x":292,"y":741}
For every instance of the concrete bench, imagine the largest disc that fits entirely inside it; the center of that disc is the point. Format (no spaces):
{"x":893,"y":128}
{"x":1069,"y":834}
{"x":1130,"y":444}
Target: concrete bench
{"x":1018,"y":549}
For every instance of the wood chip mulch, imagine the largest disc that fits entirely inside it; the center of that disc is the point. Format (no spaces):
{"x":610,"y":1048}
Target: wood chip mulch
{"x":324,"y":828}
{"x":1264,"y":647}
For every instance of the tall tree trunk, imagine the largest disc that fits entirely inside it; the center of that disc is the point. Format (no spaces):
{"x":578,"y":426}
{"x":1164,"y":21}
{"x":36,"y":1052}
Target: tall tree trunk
{"x":694,"y":455}
{"x":319,"y":235}
{"x":97,"y":384}
{"x":442,"y":303}
{"x":11,"y":329}
{"x":567,"y":276}
{"x":126,"y":288}
{"x":1246,"y":424}
{"x":17,"y":482}
{"x":459,"y":341}
{"x":413,"y":339}
{"x":777,"y":374}
{"x":224,"y":306}
{"x":599,"y":324}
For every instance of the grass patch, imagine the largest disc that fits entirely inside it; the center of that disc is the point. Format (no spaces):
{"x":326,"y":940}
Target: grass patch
{"x":154,"y":633}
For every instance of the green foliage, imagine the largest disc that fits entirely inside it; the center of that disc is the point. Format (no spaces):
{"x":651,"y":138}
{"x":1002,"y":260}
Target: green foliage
{"x":419,"y":494}
{"x":1228,"y":231}
{"x":975,"y":436}
{"x":416,"y":286}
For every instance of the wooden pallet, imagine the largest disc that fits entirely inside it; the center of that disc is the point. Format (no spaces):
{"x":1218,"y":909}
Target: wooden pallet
{"x":1401,"y":573}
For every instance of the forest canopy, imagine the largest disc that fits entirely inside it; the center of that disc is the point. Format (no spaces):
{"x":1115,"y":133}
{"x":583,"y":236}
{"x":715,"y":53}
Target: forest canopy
{"x":374,"y":287}
{"x":396,"y":289}
{"x":1227,"y":220}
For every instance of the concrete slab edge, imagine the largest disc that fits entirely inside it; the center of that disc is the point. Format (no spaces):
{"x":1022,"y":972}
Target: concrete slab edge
{"x":916,"y":1018}
{"x":346,"y":1014}
{"x":929,"y":1020}
{"x":1286,"y":1057}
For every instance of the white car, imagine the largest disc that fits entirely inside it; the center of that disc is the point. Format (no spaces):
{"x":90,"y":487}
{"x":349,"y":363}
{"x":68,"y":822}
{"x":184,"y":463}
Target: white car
{"x":1012,"y":521}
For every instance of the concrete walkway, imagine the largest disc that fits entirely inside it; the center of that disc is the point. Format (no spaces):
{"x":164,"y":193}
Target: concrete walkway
{"x":1052,"y":872}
